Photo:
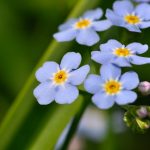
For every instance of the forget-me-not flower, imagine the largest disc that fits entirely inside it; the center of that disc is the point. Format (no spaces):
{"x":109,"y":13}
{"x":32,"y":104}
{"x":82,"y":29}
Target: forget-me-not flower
{"x":116,"y":53}
{"x":145,"y":1}
{"x":83,"y":29}
{"x":124,"y":14}
{"x":58,"y":82}
{"x":111,"y":87}
{"x":139,"y":1}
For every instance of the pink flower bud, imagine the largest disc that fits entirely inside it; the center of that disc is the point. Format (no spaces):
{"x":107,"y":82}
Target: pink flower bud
{"x":142,"y":112}
{"x":144,"y":88}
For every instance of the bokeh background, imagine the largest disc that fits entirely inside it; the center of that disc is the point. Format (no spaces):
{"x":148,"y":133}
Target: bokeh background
{"x":26,"y":30}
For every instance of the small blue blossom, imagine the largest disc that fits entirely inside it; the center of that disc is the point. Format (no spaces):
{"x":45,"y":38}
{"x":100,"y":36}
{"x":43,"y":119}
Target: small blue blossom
{"x":83,"y":29}
{"x":139,"y":1}
{"x":58,"y":82}
{"x":111,"y":87}
{"x":145,"y":1}
{"x":123,"y":56}
{"x":125,"y":15}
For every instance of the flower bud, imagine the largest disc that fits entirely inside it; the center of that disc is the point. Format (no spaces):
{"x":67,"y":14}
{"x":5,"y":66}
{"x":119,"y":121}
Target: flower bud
{"x":144,"y":88}
{"x":142,"y":112}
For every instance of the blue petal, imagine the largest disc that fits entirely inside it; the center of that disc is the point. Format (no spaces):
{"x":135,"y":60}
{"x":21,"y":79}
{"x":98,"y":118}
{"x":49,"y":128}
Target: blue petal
{"x":137,"y":47}
{"x":78,"y":76}
{"x":110,"y":71}
{"x":93,"y":83}
{"x":93,"y":14}
{"x":67,"y":25}
{"x":125,"y":97}
{"x":137,"y":60}
{"x":101,"y":57}
{"x":101,"y":25}
{"x":123,"y":7}
{"x":46,"y":71}
{"x":87,"y":37}
{"x":121,"y":62}
{"x":66,"y":94}
{"x":44,"y":93}
{"x":142,"y":1}
{"x":110,"y":46}
{"x":102,"y":100}
{"x":144,"y":24}
{"x":66,"y":35}
{"x":129,"y":80}
{"x":143,"y":10}
{"x":114,"y":18}
{"x":70,"y":60}
{"x":132,"y":28}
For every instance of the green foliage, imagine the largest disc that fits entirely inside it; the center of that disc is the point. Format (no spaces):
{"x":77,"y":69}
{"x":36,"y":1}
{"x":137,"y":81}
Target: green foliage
{"x":136,"y":120}
{"x":57,"y":121}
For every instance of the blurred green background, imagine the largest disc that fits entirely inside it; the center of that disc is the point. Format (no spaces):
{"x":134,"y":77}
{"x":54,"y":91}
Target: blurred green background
{"x":26,"y":29}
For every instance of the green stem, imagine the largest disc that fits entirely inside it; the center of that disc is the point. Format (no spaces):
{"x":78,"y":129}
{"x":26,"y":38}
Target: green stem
{"x":109,"y":141}
{"x":24,"y":101}
{"x":48,"y":137}
{"x":74,"y":124}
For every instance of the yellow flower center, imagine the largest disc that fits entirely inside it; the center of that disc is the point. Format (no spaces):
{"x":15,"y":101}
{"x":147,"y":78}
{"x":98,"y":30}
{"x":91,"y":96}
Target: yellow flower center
{"x":112,"y":87}
{"x":122,"y":52}
{"x":132,"y":19}
{"x":82,"y":24}
{"x":60,"y":77}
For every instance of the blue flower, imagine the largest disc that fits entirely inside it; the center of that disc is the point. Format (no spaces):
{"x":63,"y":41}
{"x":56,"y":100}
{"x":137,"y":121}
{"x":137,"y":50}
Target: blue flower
{"x":116,"y":53}
{"x":125,"y":15}
{"x":58,"y":82}
{"x":83,"y":29}
{"x":111,"y":87}
{"x":146,"y":1}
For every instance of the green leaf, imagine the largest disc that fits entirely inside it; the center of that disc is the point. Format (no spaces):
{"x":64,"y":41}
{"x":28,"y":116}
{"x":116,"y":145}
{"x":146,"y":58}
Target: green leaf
{"x":50,"y":133}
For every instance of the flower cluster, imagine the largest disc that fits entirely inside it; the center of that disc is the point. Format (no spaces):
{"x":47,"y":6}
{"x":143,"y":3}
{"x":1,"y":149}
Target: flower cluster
{"x":59,"y":82}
